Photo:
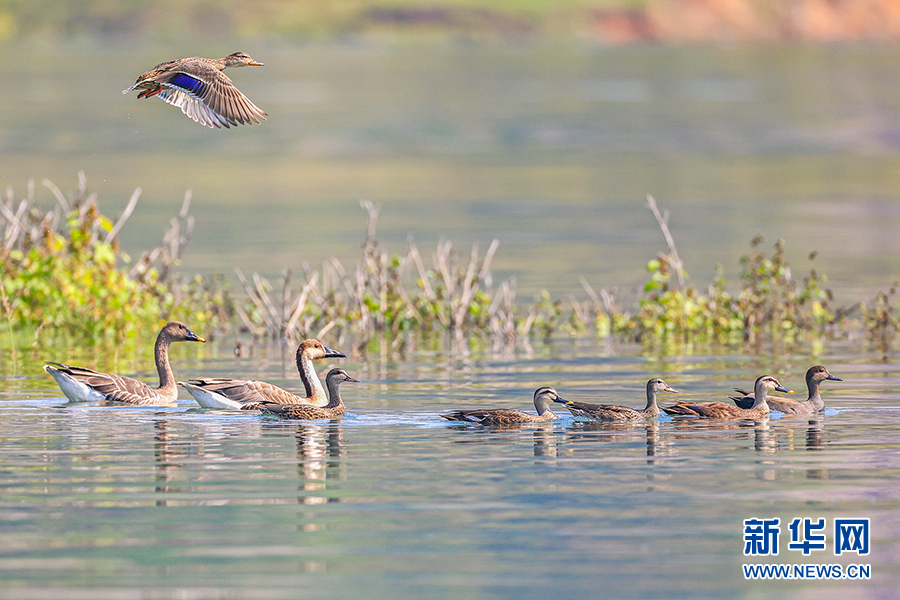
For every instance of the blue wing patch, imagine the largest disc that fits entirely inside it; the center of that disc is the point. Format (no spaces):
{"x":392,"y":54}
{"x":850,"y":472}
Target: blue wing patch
{"x":188,"y":84}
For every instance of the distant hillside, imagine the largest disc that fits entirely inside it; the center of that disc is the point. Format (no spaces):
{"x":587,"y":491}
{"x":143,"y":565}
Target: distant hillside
{"x":607,"y":21}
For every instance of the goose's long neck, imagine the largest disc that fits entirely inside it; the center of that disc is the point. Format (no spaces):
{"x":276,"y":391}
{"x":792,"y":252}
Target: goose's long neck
{"x":309,"y":378}
{"x":334,"y":394}
{"x":161,"y":355}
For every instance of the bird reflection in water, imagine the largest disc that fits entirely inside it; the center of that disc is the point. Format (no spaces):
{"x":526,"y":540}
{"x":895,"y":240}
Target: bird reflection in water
{"x":166,"y":461}
{"x":320,"y":451}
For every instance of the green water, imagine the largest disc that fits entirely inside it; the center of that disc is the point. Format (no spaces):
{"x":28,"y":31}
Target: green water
{"x":549,"y":148}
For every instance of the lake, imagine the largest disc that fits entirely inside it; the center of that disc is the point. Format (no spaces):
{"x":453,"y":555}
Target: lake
{"x":392,"y":501}
{"x":551,"y":148}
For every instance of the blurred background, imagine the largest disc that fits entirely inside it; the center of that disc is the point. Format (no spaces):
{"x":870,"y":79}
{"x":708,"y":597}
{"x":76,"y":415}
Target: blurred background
{"x":541,"y":124}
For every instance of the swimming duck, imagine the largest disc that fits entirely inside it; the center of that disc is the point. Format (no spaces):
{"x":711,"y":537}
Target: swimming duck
{"x":613,"y":412}
{"x":721,"y":410}
{"x":543,"y":396}
{"x":334,"y":408}
{"x":201,"y":90}
{"x":82,"y":385}
{"x":247,"y":394}
{"x":813,"y":403}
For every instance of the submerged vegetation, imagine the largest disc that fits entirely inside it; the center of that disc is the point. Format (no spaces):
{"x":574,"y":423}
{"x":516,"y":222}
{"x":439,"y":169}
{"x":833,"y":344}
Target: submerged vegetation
{"x":63,"y":274}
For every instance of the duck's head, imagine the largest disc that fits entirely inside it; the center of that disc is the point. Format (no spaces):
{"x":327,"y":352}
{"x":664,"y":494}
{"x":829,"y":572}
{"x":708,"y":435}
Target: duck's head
{"x":658,"y":385}
{"x":544,"y":396}
{"x":768,"y":383}
{"x":177,"y":331}
{"x":240,"y":59}
{"x":314,"y":349}
{"x":819,"y":373}
{"x":338,"y":376}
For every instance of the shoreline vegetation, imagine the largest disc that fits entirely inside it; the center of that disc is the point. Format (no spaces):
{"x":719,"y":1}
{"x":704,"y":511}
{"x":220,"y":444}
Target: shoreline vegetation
{"x":606,"y":21}
{"x":64,"y":278}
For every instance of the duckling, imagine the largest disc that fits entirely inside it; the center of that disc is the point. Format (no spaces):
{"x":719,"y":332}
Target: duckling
{"x":543,"y":396}
{"x":813,"y":403}
{"x":247,"y":394}
{"x":613,"y":412}
{"x":334,"y":408}
{"x":81,"y":385}
{"x":201,"y":90}
{"x":721,"y":410}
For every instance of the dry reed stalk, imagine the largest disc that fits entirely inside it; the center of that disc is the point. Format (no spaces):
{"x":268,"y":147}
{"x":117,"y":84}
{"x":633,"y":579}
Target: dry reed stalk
{"x":662,"y":219}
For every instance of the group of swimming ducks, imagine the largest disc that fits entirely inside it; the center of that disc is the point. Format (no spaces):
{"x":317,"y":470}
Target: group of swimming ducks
{"x":80,"y":384}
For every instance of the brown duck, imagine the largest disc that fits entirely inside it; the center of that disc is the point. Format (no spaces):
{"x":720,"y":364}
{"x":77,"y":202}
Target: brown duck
{"x":722,"y":410}
{"x":813,"y":403}
{"x":201,"y":90}
{"x":614,"y":412}
{"x":334,"y":408}
{"x":80,"y":384}
{"x":543,"y":396}
{"x":247,"y":394}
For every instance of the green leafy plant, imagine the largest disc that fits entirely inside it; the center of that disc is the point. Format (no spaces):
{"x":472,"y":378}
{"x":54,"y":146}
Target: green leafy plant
{"x":64,"y":273}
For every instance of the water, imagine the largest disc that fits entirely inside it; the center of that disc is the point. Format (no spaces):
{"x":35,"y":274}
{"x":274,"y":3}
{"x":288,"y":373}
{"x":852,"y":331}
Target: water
{"x":551,"y":149}
{"x":392,"y":501}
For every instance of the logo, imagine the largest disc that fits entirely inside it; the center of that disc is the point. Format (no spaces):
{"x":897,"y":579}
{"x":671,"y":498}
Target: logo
{"x":850,"y":536}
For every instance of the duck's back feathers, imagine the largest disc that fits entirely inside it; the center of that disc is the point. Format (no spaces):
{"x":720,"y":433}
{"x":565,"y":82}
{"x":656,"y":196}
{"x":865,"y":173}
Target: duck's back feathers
{"x":492,"y":416}
{"x":301,"y":411}
{"x":333,"y":409}
{"x":543,"y":397}
{"x":713,"y":410}
{"x":604,"y":412}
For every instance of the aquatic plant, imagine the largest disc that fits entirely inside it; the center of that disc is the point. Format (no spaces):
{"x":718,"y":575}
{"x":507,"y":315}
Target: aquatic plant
{"x":770,"y":305}
{"x":386,"y":294}
{"x":881,"y":320}
{"x":62,"y":272}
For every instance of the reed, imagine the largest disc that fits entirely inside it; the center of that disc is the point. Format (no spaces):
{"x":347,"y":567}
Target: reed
{"x":63,"y":273}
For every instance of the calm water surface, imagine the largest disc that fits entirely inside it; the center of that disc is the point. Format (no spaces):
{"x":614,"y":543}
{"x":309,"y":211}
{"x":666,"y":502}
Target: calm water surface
{"x":391,"y":501}
{"x":549,"y":148}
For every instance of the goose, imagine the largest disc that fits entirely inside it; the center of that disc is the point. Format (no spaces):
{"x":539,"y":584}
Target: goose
{"x":247,"y":394}
{"x":334,"y":408}
{"x":543,"y":396}
{"x":813,"y":403}
{"x":722,"y":410}
{"x":80,"y":384}
{"x":613,"y":412}
{"x":201,"y":90}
